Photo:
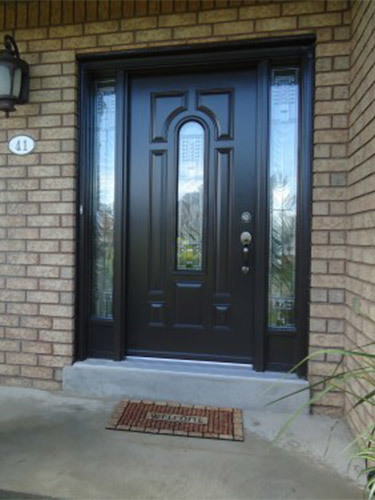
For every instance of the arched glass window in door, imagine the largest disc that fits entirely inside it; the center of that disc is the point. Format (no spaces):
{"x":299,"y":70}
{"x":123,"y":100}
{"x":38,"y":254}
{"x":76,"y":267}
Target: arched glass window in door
{"x":190,"y":197}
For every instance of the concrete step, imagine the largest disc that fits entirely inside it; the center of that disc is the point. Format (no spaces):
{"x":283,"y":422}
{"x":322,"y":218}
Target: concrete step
{"x":189,"y":382}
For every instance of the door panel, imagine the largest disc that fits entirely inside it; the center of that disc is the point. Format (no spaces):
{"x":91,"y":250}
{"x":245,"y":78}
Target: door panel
{"x":187,"y":294}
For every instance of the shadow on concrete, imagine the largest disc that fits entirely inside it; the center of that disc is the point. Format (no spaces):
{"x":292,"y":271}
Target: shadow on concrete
{"x":17,"y":495}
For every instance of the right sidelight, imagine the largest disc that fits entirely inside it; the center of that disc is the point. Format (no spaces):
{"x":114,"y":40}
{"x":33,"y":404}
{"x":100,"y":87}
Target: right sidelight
{"x":283,"y":183}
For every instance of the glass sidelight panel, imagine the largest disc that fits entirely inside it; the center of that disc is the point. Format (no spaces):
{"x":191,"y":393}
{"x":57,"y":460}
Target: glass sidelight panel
{"x":103,"y":200}
{"x":190,"y":197}
{"x":283,"y":195}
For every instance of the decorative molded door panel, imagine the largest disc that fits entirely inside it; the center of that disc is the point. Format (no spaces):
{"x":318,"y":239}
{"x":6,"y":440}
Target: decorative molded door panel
{"x":192,"y":194}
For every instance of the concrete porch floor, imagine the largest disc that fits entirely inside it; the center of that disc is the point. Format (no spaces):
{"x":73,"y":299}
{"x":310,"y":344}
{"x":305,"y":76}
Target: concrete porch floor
{"x":55,"y":445}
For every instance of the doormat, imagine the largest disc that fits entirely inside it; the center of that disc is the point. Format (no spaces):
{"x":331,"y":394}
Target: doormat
{"x":157,"y":417}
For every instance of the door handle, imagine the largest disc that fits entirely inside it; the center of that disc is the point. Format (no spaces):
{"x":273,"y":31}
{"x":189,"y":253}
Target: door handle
{"x":246,"y":238}
{"x":245,"y":241}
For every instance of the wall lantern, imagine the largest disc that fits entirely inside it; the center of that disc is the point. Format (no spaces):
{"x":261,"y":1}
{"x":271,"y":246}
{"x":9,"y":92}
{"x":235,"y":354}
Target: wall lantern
{"x":14,"y":77}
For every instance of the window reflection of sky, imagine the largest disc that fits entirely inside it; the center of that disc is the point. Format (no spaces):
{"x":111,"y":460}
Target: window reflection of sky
{"x":190,"y":159}
{"x":106,"y":146}
{"x":283,"y":154}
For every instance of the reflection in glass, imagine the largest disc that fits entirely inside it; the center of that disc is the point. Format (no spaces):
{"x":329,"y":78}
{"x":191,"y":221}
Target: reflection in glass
{"x":190,"y":196}
{"x":103,"y":200}
{"x":283,"y":196}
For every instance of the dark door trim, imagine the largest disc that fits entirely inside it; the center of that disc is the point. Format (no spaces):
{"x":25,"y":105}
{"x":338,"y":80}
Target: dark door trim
{"x":290,"y":343}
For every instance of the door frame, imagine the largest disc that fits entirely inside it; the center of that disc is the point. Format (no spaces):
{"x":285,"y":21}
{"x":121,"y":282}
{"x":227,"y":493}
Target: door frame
{"x":291,"y":344}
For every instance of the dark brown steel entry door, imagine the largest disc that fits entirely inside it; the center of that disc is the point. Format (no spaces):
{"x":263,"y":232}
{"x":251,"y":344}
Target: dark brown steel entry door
{"x":192,"y":193}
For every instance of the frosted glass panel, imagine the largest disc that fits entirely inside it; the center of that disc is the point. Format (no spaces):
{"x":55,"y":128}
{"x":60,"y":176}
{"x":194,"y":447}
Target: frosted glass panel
{"x":283,"y":196}
{"x":17,"y":83}
{"x":4,"y":80}
{"x":103,"y":200}
{"x":190,"y":197}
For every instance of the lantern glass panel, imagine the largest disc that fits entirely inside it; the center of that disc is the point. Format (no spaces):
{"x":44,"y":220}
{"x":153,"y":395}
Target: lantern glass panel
{"x":5,"y":80}
{"x":17,"y":82}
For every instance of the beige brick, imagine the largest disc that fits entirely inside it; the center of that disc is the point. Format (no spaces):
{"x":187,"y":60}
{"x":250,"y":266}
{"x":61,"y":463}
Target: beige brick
{"x":61,"y":56}
{"x":37,"y":347}
{"x":56,"y":310}
{"x":31,"y":34}
{"x":22,"y":283}
{"x":276,"y":24}
{"x":54,"y":361}
{"x":9,"y":345}
{"x":138,"y":23}
{"x":256,"y":12}
{"x":153,"y":35}
{"x":63,"y":350}
{"x":37,"y":322}
{"x":115,"y":39}
{"x":337,"y":5}
{"x":102,"y":27}
{"x":9,"y":370}
{"x":21,"y":333}
{"x":333,"y":49}
{"x":341,"y":62}
{"x":192,"y":31}
{"x":80,"y":42}
{"x":58,"y":285}
{"x":65,"y":337}
{"x":14,"y":358}
{"x":41,"y":45}
{"x":36,"y":372}
{"x":317,"y":20}
{"x":304,"y":7}
{"x":173,"y":20}
{"x":329,"y":108}
{"x":342,"y":33}
{"x":234,"y":28}
{"x":332,"y":78}
{"x":215,"y":16}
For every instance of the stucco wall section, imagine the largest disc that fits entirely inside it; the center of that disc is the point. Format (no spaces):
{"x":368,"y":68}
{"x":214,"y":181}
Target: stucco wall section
{"x":37,"y":192}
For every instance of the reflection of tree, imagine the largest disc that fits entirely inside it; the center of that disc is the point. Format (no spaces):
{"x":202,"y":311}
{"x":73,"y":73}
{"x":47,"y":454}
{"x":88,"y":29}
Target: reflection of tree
{"x":282,"y":255}
{"x":190,"y":212}
{"x":103,"y":214}
{"x":103,"y":260}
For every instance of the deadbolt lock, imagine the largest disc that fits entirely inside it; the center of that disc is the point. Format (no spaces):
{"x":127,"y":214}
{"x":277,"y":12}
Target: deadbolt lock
{"x":246,"y":238}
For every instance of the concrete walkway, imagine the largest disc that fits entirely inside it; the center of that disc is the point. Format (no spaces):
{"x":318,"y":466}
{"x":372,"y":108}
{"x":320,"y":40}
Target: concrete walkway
{"x":56,"y":446}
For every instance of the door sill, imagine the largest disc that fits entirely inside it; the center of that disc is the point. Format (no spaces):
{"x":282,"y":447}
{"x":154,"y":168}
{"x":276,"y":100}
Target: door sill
{"x":188,"y":366}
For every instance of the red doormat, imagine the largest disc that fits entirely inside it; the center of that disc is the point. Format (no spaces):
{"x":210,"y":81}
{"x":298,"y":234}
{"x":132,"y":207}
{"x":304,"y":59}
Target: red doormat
{"x":157,"y":417}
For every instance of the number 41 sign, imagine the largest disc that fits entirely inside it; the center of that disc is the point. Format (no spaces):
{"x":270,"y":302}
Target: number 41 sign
{"x":21,"y":144}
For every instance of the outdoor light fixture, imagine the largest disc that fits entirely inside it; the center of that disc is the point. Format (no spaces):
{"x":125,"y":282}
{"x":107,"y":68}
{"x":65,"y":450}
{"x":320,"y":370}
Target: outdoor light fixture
{"x":14,"y":77}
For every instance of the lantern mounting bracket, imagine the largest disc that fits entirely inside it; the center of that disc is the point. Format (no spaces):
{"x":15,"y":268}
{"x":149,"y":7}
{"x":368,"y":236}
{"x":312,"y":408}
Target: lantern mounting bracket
{"x":11,"y":46}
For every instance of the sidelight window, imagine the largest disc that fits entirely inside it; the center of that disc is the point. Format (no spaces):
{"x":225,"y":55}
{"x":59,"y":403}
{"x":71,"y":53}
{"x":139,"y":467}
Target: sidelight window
{"x":283,"y":196}
{"x":103,"y":200}
{"x":190,"y":197}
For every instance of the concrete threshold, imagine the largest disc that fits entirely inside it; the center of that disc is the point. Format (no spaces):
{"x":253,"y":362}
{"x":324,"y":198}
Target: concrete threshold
{"x":189,"y":382}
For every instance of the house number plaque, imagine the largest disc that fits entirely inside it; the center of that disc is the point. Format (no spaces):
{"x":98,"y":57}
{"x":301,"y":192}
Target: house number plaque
{"x":21,"y":145}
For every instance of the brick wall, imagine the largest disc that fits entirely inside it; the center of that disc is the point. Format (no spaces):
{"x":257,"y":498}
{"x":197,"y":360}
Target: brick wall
{"x":37,"y":192}
{"x":360,"y":296}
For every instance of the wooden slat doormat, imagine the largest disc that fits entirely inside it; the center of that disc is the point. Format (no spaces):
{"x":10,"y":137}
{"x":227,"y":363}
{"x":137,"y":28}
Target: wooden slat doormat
{"x":178,"y":420}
